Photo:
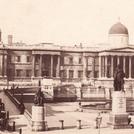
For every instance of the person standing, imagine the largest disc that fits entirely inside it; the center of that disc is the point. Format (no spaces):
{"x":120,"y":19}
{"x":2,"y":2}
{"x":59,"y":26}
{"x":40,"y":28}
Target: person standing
{"x":98,"y":121}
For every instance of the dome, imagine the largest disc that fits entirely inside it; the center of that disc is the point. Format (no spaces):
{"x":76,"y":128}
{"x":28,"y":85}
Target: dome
{"x":118,"y":28}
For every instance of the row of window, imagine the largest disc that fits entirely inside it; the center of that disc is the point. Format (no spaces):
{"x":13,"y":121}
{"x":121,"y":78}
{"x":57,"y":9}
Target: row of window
{"x":63,"y":60}
{"x":88,"y":74}
{"x":70,"y":60}
{"x":63,"y":73}
{"x":19,"y":59}
{"x":20,"y":72}
{"x":79,"y":60}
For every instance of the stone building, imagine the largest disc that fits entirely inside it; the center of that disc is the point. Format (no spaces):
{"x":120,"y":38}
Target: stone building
{"x":76,"y":64}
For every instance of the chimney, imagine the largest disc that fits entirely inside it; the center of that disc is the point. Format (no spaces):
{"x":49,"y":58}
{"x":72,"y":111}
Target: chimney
{"x":10,"y":38}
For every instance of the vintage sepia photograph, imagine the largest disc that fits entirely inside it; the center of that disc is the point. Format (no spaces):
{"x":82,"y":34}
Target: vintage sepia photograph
{"x":66,"y":67}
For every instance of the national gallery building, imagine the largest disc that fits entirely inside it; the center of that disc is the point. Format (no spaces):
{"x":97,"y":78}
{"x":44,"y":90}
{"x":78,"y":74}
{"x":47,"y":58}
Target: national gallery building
{"x":72,"y":64}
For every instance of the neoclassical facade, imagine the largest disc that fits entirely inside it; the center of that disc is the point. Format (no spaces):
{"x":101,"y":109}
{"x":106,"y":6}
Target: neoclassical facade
{"x":72,"y":64}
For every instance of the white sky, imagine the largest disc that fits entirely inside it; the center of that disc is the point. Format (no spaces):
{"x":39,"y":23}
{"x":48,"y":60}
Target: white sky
{"x":64,"y":21}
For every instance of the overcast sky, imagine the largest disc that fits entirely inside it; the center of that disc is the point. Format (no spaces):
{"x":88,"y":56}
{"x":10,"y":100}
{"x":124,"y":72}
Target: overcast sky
{"x":64,"y":21}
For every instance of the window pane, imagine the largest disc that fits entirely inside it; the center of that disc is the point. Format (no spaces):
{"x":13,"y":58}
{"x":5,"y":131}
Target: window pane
{"x":71,"y":73}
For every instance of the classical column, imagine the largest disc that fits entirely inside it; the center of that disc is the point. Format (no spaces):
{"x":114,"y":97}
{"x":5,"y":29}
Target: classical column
{"x":99,"y":66}
{"x":124,"y":63}
{"x":40,"y":66}
{"x":67,"y":73}
{"x":51,"y":72}
{"x":93,"y":67}
{"x":105,"y":66}
{"x":130,"y":58}
{"x":5,"y":65}
{"x":84,"y":67}
{"x":118,"y":60}
{"x":33,"y":66}
{"x":112,"y":66}
{"x":58,"y":66}
{"x":1,"y":60}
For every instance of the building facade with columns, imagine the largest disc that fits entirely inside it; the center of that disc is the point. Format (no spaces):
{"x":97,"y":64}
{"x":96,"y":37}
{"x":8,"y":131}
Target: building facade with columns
{"x":77,"y":64}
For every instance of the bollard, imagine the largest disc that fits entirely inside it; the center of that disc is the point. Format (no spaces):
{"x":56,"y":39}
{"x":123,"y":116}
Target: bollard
{"x":20,"y":131}
{"x":79,"y":124}
{"x":62,"y":124}
{"x":46,"y":126}
{"x":13,"y":129}
{"x":7,"y":115}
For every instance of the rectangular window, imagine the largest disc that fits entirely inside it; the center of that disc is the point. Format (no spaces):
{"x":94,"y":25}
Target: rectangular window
{"x":61,"y":73}
{"x":71,"y":74}
{"x":88,"y":74}
{"x":90,"y":61}
{"x":70,"y":60}
{"x":96,"y":74}
{"x":80,"y":74}
{"x":18,"y":59}
{"x":80,"y":60}
{"x":37,"y":59}
{"x":64,"y":73}
{"x":36,"y":73}
{"x":9,"y":58}
{"x":18,"y":72}
{"x":28,"y":73}
{"x":28,"y":58}
{"x":96,"y":60}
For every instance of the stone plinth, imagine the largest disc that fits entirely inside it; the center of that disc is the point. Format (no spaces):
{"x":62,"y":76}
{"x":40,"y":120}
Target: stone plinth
{"x":38,"y":118}
{"x":118,"y":102}
{"x":118,"y":117}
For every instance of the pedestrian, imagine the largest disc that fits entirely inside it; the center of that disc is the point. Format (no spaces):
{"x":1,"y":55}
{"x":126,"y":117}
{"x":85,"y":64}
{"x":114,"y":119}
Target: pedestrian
{"x":129,"y":119}
{"x":98,"y":120}
{"x":80,"y":107}
{"x":22,"y":108}
{"x":79,"y":104}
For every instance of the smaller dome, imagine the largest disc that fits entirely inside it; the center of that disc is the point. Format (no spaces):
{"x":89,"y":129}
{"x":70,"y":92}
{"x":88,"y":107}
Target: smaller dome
{"x":118,"y":28}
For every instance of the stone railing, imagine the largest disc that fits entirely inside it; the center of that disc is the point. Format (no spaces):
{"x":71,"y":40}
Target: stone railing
{"x":28,"y":115}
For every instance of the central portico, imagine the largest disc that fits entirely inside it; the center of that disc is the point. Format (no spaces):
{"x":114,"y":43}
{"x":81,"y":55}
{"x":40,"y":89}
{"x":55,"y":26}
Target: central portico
{"x":109,"y":59}
{"x":46,"y":64}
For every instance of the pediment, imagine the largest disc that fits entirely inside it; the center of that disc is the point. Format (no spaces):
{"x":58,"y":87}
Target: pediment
{"x":125,"y":49}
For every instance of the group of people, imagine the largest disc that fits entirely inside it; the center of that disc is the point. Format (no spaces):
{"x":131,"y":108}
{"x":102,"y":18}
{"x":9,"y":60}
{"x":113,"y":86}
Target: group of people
{"x":4,"y":117}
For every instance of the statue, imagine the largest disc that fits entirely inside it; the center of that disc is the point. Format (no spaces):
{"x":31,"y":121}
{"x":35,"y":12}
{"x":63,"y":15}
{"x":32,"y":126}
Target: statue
{"x":39,"y":97}
{"x":119,"y":79}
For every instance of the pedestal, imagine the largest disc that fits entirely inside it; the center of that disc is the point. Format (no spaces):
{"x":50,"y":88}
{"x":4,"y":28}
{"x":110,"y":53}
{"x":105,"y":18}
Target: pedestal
{"x":118,"y":117}
{"x":38,"y":118}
